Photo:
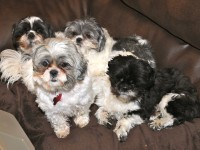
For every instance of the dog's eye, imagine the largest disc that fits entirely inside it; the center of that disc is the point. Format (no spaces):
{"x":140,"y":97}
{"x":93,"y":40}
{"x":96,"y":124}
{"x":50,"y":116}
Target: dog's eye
{"x":65,"y":64}
{"x":39,"y":30}
{"x":45,"y":63}
{"x":88,"y":35}
{"x":74,"y":33}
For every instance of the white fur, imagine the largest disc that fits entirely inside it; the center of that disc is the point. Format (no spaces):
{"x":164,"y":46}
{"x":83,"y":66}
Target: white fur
{"x":162,"y":119}
{"x":141,"y":40}
{"x":109,"y":104}
{"x":74,"y":103}
{"x":124,"y":125}
{"x":32,"y":19}
{"x":10,"y":65}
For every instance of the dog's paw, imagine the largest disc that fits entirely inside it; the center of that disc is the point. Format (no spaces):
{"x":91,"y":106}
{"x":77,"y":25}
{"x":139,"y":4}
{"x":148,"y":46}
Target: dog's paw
{"x":161,"y":123}
{"x":102,"y":117}
{"x":110,"y":122}
{"x":81,"y":121}
{"x":63,"y":132}
{"x":121,"y":130}
{"x":121,"y":133}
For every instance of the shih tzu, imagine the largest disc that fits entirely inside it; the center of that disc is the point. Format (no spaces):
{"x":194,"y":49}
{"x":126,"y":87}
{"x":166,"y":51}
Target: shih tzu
{"x":57,"y":73}
{"x":163,"y":97}
{"x":29,"y":32}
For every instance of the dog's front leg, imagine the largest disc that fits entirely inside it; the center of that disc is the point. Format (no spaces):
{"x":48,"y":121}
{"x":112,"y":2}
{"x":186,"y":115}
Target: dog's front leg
{"x":124,"y":125}
{"x":103,"y":117}
{"x":82,"y":119}
{"x":60,"y":125}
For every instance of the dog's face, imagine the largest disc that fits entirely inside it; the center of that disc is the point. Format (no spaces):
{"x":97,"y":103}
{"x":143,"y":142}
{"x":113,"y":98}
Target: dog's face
{"x":29,"y":32}
{"x":86,"y":33}
{"x":57,"y":65}
{"x":129,"y":77}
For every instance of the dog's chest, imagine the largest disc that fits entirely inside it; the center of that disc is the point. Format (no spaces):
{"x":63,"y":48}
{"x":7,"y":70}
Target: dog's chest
{"x":116,"y":106}
{"x":97,"y":62}
{"x":78,"y":97}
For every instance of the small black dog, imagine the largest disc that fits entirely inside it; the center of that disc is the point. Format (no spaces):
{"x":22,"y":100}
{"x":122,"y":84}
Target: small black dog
{"x":166,"y":96}
{"x":29,"y":32}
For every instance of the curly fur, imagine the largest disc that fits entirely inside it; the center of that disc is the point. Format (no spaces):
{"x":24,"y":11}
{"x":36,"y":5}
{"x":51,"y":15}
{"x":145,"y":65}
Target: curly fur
{"x":57,"y":68}
{"x":165,"y":97}
{"x":99,"y":48}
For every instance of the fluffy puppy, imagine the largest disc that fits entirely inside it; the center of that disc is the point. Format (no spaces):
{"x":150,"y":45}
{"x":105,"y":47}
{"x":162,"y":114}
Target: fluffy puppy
{"x":29,"y":32}
{"x":165,"y":97}
{"x":57,"y":73}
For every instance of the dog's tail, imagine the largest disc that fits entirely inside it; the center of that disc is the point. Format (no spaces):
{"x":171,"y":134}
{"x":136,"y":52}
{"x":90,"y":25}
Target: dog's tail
{"x":10,"y":65}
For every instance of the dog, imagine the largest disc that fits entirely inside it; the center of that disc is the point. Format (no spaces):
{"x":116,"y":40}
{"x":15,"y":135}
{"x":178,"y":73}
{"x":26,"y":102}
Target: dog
{"x":26,"y":33}
{"x":57,"y":73}
{"x":163,"y":97}
{"x":99,"y":48}
{"x":30,"y":31}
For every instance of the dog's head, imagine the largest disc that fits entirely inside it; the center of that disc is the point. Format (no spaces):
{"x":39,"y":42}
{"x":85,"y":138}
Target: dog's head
{"x":130,"y":77}
{"x":57,"y":65}
{"x":86,"y":33}
{"x":29,"y":32}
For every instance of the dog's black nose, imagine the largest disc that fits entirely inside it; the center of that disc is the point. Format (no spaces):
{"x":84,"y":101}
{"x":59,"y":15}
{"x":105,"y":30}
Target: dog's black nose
{"x":78,"y":40}
{"x":31,"y":36}
{"x":53,"y":73}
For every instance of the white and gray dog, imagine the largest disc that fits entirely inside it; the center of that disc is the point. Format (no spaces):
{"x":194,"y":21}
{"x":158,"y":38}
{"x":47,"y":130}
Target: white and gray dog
{"x":99,"y":48}
{"x":57,"y":73}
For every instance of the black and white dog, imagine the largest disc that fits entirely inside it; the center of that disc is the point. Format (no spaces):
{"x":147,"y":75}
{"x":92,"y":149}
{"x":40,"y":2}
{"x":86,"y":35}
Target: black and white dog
{"x":26,"y":33}
{"x":30,"y":31}
{"x":165,"y":97}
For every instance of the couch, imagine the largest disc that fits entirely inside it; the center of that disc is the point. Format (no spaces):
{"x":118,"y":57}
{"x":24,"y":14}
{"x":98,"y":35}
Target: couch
{"x":171,"y":26}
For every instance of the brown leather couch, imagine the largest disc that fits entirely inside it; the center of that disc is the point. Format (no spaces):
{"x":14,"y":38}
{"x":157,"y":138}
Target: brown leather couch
{"x":172,"y":27}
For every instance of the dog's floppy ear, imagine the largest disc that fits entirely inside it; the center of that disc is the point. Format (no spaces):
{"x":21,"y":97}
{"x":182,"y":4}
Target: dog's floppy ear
{"x":147,"y":73}
{"x":51,"y":31}
{"x":101,"y":40}
{"x":82,"y":69}
{"x":14,"y":42}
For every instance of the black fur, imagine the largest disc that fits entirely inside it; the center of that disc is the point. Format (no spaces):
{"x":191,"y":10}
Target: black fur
{"x":23,"y":28}
{"x":134,"y":74}
{"x":127,"y":72}
{"x":133,"y":44}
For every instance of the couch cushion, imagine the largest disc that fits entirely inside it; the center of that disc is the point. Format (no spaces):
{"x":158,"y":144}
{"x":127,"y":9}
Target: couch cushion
{"x":180,"y":18}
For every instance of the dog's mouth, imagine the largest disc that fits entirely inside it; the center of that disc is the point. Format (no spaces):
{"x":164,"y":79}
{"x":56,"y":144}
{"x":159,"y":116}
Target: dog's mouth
{"x":33,"y":42}
{"x":54,"y":80}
